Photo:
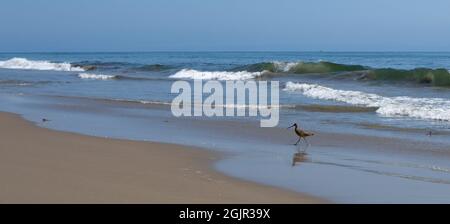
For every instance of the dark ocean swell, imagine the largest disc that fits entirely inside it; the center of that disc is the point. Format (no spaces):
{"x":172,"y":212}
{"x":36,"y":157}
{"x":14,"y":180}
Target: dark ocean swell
{"x":435,"y":77}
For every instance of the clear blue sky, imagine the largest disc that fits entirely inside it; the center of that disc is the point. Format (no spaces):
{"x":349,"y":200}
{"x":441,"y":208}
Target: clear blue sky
{"x":211,"y":25}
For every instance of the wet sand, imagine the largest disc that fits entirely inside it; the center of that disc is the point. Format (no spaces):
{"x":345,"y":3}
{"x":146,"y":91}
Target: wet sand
{"x":38,"y":165}
{"x":342,"y":167}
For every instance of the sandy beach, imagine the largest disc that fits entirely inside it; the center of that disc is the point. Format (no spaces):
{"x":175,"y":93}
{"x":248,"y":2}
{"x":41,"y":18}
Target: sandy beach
{"x":38,"y":165}
{"x":168,"y":102}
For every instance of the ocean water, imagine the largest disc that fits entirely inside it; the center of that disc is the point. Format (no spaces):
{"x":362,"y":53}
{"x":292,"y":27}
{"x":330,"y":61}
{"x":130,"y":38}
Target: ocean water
{"x":406,"y":90}
{"x":399,"y":95}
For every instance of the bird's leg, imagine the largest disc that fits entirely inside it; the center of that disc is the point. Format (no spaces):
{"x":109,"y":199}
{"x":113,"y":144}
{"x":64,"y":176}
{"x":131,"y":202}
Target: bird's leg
{"x":298,"y":141}
{"x":306,"y":141}
{"x":306,"y":147}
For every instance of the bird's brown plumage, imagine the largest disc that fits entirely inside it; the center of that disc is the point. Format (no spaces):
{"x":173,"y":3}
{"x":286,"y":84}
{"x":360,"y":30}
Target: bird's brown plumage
{"x":301,"y":133}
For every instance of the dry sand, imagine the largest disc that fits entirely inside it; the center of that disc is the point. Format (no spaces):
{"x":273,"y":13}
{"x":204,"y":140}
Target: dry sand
{"x":38,"y":165}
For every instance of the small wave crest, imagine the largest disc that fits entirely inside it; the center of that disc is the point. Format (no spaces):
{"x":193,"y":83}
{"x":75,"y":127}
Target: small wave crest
{"x":105,"y":65}
{"x":23,"y":63}
{"x":216,"y":75}
{"x":153,"y":67}
{"x":96,"y":76}
{"x":284,"y":66}
{"x":421,"y":108}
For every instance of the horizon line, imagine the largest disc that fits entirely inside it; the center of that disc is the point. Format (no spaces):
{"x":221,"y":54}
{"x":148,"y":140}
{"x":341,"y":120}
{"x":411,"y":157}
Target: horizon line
{"x":221,"y":51}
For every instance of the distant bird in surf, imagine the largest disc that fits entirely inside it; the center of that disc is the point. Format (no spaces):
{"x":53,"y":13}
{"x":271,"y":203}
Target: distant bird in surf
{"x":301,"y":134}
{"x":45,"y":120}
{"x":431,"y":132}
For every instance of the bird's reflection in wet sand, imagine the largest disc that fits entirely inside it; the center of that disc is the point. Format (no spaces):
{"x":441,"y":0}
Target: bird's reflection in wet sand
{"x":299,"y":157}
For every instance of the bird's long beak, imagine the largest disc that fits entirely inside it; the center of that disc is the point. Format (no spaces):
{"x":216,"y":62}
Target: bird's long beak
{"x":291,"y":126}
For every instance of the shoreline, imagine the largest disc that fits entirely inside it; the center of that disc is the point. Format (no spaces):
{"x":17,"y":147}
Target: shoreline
{"x":336,"y":167}
{"x":39,"y":165}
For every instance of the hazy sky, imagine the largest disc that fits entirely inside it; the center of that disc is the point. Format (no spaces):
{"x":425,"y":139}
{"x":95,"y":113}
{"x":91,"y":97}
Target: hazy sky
{"x":211,"y":25}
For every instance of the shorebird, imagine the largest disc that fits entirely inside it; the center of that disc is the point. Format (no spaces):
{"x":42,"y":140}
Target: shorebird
{"x":45,"y":120}
{"x":301,"y":134}
{"x":430,"y":132}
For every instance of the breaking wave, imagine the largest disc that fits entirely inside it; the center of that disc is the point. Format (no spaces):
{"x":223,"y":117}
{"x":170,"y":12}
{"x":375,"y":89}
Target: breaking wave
{"x":23,"y":63}
{"x":424,"y":76}
{"x":216,"y":75}
{"x":421,"y":108}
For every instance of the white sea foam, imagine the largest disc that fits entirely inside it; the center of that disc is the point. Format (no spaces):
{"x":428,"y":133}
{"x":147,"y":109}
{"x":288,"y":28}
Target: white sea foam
{"x":216,"y":75}
{"x":422,"y":108}
{"x":23,"y":63}
{"x":95,"y":76}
